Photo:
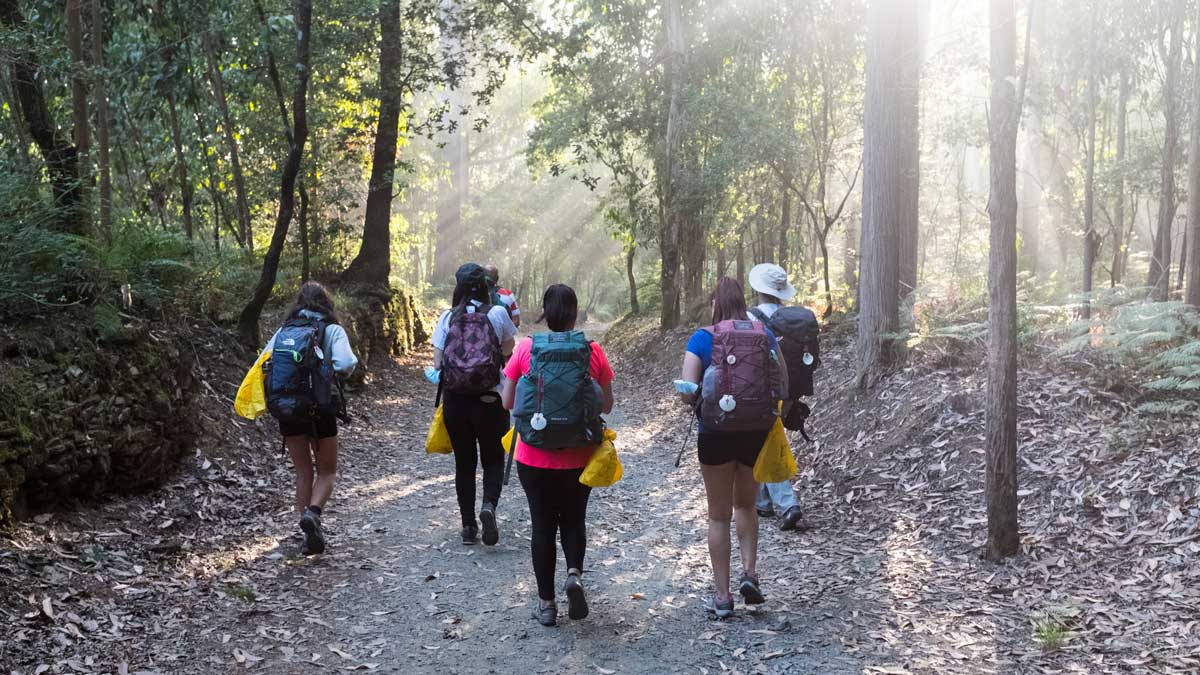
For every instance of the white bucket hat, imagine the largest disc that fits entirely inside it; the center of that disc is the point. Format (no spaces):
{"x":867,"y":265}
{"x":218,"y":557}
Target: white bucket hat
{"x":771,"y":279}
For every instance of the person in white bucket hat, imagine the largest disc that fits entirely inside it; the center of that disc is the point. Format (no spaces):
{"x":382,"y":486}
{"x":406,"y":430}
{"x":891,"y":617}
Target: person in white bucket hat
{"x":771,"y":283}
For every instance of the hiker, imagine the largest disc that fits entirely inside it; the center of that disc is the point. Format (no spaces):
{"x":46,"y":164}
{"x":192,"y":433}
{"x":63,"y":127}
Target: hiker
{"x":470,"y":343}
{"x":504,"y":295}
{"x":796,"y":328}
{"x":303,"y":395}
{"x":557,"y":385}
{"x":741,"y":376}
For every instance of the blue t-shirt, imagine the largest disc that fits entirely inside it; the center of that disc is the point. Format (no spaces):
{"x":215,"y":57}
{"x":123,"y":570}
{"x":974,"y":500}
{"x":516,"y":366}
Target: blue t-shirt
{"x":701,"y":344}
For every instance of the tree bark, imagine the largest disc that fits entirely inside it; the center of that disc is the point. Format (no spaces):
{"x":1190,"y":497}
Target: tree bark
{"x":304,"y":261}
{"x":60,"y":155}
{"x":671,"y":209}
{"x":908,"y":144}
{"x":79,"y":87}
{"x":1191,"y":293}
{"x":181,"y":168}
{"x":372,"y":265}
{"x":785,"y":222}
{"x":103,"y":158}
{"x":239,"y":183}
{"x":1118,"y":230}
{"x":1159,"y":279}
{"x":891,"y":30}
{"x":1001,"y":456}
{"x":634,"y":306}
{"x":1089,"y":180}
{"x":248,"y":323}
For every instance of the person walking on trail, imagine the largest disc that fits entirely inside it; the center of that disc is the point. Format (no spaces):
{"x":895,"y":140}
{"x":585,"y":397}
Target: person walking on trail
{"x":770,"y":281}
{"x":742,"y":377}
{"x":557,"y":385}
{"x":470,"y":343}
{"x":504,"y":295}
{"x":308,"y":352}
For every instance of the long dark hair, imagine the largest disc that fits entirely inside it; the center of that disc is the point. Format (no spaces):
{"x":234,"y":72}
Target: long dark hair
{"x":315,"y":298}
{"x":473,"y":286}
{"x":560,"y":307}
{"x":728,"y":300}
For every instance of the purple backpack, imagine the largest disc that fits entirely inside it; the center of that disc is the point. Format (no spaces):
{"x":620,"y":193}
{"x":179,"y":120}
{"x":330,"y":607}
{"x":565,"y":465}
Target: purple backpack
{"x":743,"y":385}
{"x":471,"y":361}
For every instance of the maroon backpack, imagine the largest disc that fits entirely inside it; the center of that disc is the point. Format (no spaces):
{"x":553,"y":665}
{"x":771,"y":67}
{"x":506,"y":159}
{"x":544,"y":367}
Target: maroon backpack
{"x":743,"y":385}
{"x":471,"y":360}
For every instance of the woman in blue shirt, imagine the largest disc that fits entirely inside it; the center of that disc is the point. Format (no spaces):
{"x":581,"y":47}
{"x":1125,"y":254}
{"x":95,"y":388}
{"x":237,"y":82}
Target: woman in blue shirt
{"x":727,"y":463}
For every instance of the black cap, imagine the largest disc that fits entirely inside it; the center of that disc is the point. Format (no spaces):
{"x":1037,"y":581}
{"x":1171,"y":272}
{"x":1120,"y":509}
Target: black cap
{"x":471,"y":274}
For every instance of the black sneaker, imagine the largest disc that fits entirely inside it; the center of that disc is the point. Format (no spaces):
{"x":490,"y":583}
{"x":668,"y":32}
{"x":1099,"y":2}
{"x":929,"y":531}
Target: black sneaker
{"x":765,"y":513}
{"x":577,"y":607}
{"x":487,"y":516}
{"x":750,"y":591}
{"x":791,"y":519}
{"x":314,"y":538}
{"x":470,"y":535}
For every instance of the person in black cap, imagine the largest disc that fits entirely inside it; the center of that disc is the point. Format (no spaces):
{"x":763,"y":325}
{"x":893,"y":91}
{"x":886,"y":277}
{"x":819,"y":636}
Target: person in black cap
{"x":468,"y":352}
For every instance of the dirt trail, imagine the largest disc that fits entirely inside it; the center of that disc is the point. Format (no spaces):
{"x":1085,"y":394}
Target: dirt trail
{"x":398,"y":593}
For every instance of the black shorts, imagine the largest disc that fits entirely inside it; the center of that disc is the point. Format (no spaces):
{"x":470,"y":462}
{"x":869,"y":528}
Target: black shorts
{"x":324,"y":426}
{"x":721,"y":447}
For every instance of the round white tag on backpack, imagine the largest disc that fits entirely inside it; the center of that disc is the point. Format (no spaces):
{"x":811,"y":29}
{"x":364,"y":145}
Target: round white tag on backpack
{"x":727,"y":403}
{"x":808,"y":359}
{"x":538,"y":421}
{"x":731,"y":359}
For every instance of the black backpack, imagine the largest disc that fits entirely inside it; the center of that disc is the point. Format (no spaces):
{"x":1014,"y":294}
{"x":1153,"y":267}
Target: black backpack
{"x":300,"y":386}
{"x":799,"y":337}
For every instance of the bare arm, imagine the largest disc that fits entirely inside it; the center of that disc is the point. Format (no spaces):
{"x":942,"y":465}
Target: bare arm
{"x":606,"y":398}
{"x":437,"y":358}
{"x":506,"y":347}
{"x":693,"y":371}
{"x":508,"y":394}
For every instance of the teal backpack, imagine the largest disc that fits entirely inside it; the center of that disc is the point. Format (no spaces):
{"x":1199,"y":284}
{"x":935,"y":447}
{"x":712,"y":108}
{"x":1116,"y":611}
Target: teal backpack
{"x":558,"y":404}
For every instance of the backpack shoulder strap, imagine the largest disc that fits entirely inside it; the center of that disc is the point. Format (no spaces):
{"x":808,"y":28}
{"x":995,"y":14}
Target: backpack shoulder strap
{"x":758,"y":314}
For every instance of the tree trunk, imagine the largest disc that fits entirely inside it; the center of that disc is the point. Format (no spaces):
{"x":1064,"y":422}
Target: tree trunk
{"x":373,"y":264}
{"x":1192,"y":249}
{"x":850,"y":262}
{"x":239,"y":183}
{"x":61,"y":156}
{"x":740,"y":262}
{"x":891,"y":31}
{"x":79,"y":87}
{"x":907,"y":91}
{"x":1159,"y":279}
{"x":823,"y":240}
{"x":1089,"y":180}
{"x":630,"y":252}
{"x":181,"y":168}
{"x":785,"y":222}
{"x":1118,"y":229}
{"x":103,"y":159}
{"x":451,"y":230}
{"x":671,"y":209}
{"x":304,"y":261}
{"x":248,"y":323}
{"x":1001,"y":456}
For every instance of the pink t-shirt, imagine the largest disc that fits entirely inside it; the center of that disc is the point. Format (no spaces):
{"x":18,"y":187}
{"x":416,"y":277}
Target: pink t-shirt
{"x":572,"y":458}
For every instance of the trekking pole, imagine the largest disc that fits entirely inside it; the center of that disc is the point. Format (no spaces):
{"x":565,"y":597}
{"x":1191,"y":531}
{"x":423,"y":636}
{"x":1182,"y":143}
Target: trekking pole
{"x":688,"y":436}
{"x":512,"y":452}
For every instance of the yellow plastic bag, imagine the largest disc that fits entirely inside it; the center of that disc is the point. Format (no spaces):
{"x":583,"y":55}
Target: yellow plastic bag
{"x":507,"y":441}
{"x":251,"y":400}
{"x":437,"y":441}
{"x":775,"y":462}
{"x":604,"y":468}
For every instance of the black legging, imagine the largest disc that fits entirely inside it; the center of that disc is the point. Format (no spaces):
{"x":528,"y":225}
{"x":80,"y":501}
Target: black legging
{"x":476,"y":428}
{"x":557,"y":502}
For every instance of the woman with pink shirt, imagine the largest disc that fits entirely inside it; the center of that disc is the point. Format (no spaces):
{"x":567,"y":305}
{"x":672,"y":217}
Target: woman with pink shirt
{"x":557,"y":385}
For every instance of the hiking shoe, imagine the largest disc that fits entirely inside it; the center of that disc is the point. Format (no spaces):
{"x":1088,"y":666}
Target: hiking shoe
{"x":577,"y":607}
{"x":765,"y":513}
{"x":487,"y":516}
{"x":750,"y":591}
{"x":470,"y":535}
{"x":722,"y":609}
{"x":791,"y":519}
{"x":314,"y":538}
{"x":546,"y":614}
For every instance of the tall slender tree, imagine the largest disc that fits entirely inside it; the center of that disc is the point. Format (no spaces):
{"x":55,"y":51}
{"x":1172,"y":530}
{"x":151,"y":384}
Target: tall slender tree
{"x":1089,"y":180}
{"x":672,"y":176}
{"x":1192,"y":290}
{"x":372,"y":265}
{"x":1159,"y":278}
{"x":217,"y":81}
{"x":248,"y":322}
{"x":100,"y":88}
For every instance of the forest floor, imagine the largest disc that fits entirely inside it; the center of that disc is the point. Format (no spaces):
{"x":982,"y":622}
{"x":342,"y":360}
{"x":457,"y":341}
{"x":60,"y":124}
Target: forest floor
{"x":204,"y":576}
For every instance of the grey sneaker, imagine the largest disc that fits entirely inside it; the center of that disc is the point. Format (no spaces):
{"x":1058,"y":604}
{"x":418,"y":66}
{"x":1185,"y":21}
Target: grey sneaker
{"x":722,"y":609}
{"x":487,"y":516}
{"x":546,"y":613}
{"x":577,"y":607}
{"x":470,"y":535}
{"x":314,"y":538}
{"x":791,"y":519}
{"x":751,"y":593}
